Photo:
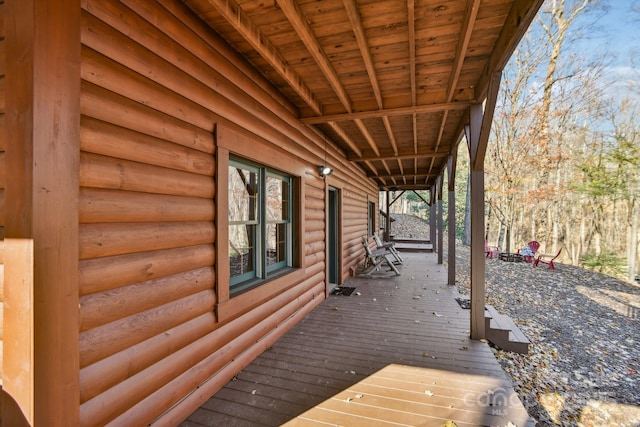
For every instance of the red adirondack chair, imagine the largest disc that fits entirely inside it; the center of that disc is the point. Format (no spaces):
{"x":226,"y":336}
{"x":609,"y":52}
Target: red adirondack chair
{"x":533,"y":246}
{"x":490,"y":251}
{"x":546,"y":259}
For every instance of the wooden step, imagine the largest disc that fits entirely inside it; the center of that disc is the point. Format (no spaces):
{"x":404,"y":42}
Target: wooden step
{"x":503,"y":333}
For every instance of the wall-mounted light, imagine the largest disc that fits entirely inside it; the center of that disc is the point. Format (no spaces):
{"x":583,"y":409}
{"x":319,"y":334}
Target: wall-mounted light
{"x":324,"y":170}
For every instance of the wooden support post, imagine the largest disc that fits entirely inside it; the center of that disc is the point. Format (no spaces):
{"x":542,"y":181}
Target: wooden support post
{"x":478,"y":136}
{"x":387,"y":230}
{"x":440,"y":220}
{"x":432,"y":218}
{"x":451,"y":217}
{"x":43,"y":124}
{"x":477,"y":227}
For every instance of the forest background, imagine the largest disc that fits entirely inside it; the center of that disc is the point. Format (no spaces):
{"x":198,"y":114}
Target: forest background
{"x":563,"y":161}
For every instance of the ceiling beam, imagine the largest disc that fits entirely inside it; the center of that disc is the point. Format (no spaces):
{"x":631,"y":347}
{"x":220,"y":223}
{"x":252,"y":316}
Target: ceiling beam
{"x":391,"y":156}
{"x":405,"y":187}
{"x":389,"y":112}
{"x":400,"y":176}
{"x":236,"y":17}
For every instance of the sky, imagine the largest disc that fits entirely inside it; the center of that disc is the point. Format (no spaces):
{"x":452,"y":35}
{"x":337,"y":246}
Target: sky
{"x":619,"y":33}
{"x":622,"y":28}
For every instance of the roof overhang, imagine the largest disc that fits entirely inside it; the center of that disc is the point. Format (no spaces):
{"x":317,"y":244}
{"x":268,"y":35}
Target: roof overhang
{"x":390,"y":82}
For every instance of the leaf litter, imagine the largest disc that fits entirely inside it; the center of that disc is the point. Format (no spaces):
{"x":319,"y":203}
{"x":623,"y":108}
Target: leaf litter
{"x":583,"y":366}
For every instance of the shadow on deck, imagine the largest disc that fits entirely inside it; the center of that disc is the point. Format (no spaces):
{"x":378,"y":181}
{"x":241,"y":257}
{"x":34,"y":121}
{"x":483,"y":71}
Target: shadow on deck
{"x":395,"y":352}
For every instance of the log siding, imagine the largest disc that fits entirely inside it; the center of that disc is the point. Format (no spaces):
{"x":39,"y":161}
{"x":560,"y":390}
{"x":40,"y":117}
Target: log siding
{"x":164,"y":103}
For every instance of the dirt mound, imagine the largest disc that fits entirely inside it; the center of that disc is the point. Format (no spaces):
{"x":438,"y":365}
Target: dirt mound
{"x":409,"y":227}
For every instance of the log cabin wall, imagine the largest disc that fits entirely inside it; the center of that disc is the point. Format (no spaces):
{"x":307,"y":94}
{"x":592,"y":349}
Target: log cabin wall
{"x":3,"y":148}
{"x":164,"y":103}
{"x":3,"y":134}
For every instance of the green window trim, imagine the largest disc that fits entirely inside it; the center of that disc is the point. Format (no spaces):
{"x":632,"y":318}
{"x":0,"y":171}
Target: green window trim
{"x":261,"y":231}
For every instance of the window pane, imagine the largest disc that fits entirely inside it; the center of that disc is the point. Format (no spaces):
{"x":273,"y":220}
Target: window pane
{"x":277,"y":199}
{"x":241,"y":249}
{"x":276,"y":243}
{"x":243,"y":194}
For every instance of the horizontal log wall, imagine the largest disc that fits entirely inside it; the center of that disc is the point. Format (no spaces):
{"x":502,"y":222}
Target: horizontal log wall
{"x":155,"y":84}
{"x":3,"y":133}
{"x":3,"y":148}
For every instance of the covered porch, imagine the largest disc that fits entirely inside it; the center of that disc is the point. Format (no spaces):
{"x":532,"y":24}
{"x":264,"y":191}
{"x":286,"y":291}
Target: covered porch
{"x":395,"y":352}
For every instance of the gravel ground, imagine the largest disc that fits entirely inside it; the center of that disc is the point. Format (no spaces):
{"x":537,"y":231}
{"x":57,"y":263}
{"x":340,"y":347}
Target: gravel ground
{"x":583,"y":368}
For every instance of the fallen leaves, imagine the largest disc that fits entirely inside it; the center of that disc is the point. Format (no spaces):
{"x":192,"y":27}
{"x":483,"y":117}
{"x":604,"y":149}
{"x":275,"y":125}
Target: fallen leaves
{"x":584,"y":347}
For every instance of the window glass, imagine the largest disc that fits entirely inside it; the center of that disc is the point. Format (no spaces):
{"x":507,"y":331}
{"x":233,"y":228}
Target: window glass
{"x":260,"y":227}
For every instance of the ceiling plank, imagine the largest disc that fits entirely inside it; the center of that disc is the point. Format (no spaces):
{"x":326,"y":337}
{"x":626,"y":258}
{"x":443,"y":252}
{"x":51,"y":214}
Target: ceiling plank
{"x":304,"y":31}
{"x":236,"y":17}
{"x":391,"y":112}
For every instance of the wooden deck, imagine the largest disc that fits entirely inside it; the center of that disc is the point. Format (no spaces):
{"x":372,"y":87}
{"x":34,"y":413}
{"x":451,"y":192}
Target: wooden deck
{"x":395,"y":352}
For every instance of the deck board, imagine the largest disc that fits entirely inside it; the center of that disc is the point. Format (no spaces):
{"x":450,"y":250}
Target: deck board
{"x":396,"y":352}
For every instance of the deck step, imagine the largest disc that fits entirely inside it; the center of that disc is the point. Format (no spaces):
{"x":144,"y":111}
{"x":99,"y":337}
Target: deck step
{"x":502,"y":332}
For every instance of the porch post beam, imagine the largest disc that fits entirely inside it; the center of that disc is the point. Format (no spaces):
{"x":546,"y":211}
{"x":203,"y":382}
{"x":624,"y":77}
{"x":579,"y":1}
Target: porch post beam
{"x":439,"y":185}
{"x":42,"y":166}
{"x":451,"y":217}
{"x":477,"y":226}
{"x":432,"y":219}
{"x":387,"y":226}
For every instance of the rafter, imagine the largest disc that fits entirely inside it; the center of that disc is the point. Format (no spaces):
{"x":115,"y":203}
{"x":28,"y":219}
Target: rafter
{"x":356,"y":24}
{"x":341,"y":133}
{"x":236,"y":17}
{"x":304,"y":31}
{"x":461,"y":50}
{"x":365,"y":132}
{"x":361,"y":39}
{"x":463,"y":44}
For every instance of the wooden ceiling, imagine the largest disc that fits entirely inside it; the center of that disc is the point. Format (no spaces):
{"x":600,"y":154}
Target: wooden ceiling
{"x":389,"y":81}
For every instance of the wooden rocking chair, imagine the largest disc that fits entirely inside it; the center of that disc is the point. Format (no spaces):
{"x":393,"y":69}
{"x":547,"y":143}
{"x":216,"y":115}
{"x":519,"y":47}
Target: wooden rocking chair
{"x":375,"y":259}
{"x":546,"y":259}
{"x":390,"y":246}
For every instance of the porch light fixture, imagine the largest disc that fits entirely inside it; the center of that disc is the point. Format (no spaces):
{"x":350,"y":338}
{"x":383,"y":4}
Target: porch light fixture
{"x":325,"y":170}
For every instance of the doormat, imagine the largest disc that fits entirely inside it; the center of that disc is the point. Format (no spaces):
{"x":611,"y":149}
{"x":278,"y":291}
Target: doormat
{"x":343,"y":290}
{"x":464,"y":303}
